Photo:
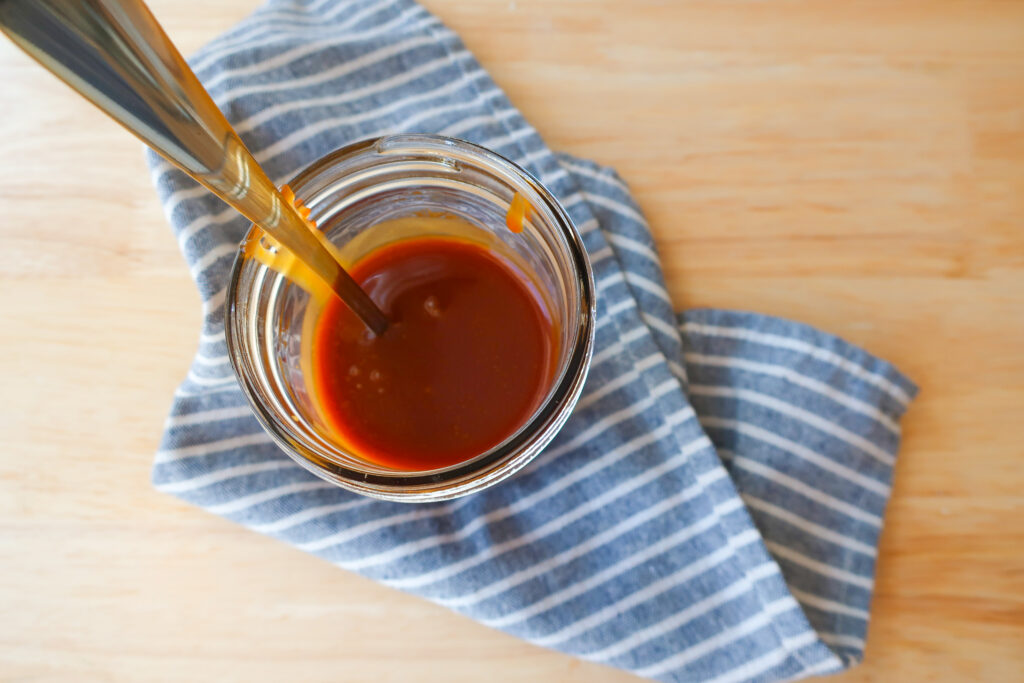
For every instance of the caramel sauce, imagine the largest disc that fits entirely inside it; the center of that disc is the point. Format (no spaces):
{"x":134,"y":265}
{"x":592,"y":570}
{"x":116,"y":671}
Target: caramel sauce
{"x":467,"y":358}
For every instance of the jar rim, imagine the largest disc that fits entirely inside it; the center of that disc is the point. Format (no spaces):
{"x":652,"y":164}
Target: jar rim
{"x":505,"y":458}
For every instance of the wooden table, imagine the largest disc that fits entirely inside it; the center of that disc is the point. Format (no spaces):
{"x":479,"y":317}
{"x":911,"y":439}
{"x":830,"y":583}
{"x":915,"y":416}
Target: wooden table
{"x":858,"y":166}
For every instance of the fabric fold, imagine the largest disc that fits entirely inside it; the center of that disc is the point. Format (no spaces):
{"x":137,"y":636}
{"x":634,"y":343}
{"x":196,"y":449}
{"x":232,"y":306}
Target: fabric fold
{"x":711,"y":510}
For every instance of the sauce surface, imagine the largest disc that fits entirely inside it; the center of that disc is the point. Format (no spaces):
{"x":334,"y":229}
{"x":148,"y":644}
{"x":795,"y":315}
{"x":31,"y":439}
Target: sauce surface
{"x":467,"y":359}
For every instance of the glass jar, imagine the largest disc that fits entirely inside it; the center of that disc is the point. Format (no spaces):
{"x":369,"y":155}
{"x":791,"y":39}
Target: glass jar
{"x":355,"y":196}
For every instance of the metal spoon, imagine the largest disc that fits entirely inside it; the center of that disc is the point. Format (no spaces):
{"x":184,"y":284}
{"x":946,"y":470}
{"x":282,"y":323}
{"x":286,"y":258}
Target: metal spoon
{"x":115,"y":54}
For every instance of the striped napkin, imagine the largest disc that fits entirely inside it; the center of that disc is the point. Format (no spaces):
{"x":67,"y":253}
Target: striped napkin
{"x":712,"y":509}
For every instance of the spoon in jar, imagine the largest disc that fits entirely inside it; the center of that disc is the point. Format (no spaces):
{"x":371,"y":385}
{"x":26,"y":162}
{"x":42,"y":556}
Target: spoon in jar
{"x":115,"y":54}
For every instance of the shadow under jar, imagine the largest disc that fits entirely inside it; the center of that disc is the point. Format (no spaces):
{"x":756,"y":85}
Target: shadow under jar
{"x":369,"y":197}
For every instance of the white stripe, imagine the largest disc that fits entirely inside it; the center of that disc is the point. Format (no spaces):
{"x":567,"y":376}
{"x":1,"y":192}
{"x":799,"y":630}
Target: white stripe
{"x":847,"y":659}
{"x":562,"y":596}
{"x":660,"y":325}
{"x":601,"y":254}
{"x":225,"y":474}
{"x":753,"y":668}
{"x":587,"y":227}
{"x":157,"y":167}
{"x":482,"y":97}
{"x":701,"y":565}
{"x":792,"y":344}
{"x":454,"y":130}
{"x":190,"y":229}
{"x":617,"y":207}
{"x":214,"y":415}
{"x":650,"y":287}
{"x":678,"y":370}
{"x":828,"y":605}
{"x":215,"y":301}
{"x":211,"y":338}
{"x":790,"y":375}
{"x":610,"y":280}
{"x":798,"y":450}
{"x":805,"y":416}
{"x":826,"y":666}
{"x":258,"y":438}
{"x":842,"y":640}
{"x":572,"y":200}
{"x":636,"y":519}
{"x":614,"y":310}
{"x":245,"y":502}
{"x":545,"y":492}
{"x":317,"y":5}
{"x":719,"y":640}
{"x":811,"y":528}
{"x":590,"y":173}
{"x":817,"y":567}
{"x":619,"y":346}
{"x":239,"y":35}
{"x":775,"y":476}
{"x":622,"y":380}
{"x":369,"y":526}
{"x":210,"y":381}
{"x":553,"y":176}
{"x":559,"y":523}
{"x":498,"y":143}
{"x":308,"y":514}
{"x":190,"y":191}
{"x":633,"y":245}
{"x":548,"y":156}
{"x":211,"y":257}
{"x":211,"y":360}
{"x":185,"y":393}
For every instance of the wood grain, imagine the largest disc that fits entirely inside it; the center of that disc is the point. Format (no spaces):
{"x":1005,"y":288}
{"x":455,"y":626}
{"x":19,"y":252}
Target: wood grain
{"x":858,"y":166}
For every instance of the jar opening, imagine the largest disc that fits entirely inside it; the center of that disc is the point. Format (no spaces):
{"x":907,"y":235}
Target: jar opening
{"x":373,"y":195}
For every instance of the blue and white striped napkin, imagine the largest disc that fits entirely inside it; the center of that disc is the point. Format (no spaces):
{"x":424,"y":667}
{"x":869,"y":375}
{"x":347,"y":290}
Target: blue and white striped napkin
{"x":712,"y":509}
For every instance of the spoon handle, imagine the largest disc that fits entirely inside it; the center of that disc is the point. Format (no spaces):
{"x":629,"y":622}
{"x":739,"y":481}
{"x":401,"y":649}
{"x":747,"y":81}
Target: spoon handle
{"x":115,"y":54}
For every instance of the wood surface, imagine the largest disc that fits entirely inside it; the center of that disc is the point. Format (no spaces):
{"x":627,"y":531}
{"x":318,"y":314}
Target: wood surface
{"x":855,"y":165}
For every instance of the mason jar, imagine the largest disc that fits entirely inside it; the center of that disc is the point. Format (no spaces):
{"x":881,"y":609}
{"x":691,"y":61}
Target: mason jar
{"x":355,"y":195}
